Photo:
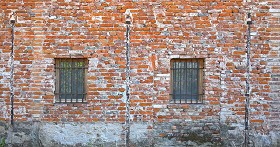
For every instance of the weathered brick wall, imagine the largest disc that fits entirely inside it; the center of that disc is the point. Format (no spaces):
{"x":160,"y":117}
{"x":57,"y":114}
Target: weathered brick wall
{"x":160,"y":31}
{"x":273,"y":67}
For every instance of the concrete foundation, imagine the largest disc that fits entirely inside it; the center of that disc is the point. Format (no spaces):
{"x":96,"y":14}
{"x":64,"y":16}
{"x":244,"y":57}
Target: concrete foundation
{"x":39,"y":134}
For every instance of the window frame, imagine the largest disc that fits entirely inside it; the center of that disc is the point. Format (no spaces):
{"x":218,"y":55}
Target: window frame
{"x":58,"y":85}
{"x":200,"y":80}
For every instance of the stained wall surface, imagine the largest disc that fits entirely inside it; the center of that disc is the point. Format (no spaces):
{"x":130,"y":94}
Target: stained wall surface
{"x":159,"y":31}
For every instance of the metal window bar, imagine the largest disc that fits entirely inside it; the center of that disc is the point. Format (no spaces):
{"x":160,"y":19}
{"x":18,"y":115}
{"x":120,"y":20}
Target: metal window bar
{"x":186,"y":80}
{"x":70,"y":80}
{"x":197,"y":82}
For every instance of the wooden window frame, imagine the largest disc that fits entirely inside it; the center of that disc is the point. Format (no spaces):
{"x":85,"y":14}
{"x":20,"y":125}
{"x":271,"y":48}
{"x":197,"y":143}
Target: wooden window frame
{"x":74,"y":95}
{"x":187,"y":98}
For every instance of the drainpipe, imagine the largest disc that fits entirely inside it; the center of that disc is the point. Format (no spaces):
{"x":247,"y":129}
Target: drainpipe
{"x":12,"y":21}
{"x":127,"y":81}
{"x":247,"y":104}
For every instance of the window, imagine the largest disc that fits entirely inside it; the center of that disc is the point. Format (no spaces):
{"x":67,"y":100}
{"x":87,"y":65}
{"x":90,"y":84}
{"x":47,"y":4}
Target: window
{"x":70,"y":80}
{"x":187,"y":80}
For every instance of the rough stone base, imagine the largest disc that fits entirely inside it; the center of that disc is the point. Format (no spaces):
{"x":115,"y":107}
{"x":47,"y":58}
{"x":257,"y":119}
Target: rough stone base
{"x":38,"y":134}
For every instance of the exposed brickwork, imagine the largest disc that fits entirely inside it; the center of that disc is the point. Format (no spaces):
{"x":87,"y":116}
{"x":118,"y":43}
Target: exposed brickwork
{"x":160,"y":31}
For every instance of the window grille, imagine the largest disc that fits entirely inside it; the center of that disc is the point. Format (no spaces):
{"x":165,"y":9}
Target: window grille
{"x":187,"y":80}
{"x":70,"y":80}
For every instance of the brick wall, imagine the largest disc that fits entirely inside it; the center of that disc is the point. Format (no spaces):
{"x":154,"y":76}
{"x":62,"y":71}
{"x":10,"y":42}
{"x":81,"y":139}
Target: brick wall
{"x":160,"y":31}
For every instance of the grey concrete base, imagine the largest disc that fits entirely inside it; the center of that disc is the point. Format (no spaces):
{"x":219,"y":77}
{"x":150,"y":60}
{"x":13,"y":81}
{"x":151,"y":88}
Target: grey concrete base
{"x":74,"y":134}
{"x":38,"y":134}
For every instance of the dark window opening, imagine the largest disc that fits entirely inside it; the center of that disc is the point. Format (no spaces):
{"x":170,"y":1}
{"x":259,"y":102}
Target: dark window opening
{"x":70,"y":80}
{"x":187,"y":80}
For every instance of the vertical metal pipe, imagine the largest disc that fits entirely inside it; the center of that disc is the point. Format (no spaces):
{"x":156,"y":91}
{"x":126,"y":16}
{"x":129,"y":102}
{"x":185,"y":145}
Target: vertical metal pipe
{"x":12,"y":76}
{"x":247,"y":104}
{"x":127,"y":82}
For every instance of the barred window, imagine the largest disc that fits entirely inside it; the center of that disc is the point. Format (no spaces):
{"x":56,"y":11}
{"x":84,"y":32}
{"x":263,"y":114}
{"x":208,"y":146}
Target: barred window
{"x":187,"y":80}
{"x":70,"y":80}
